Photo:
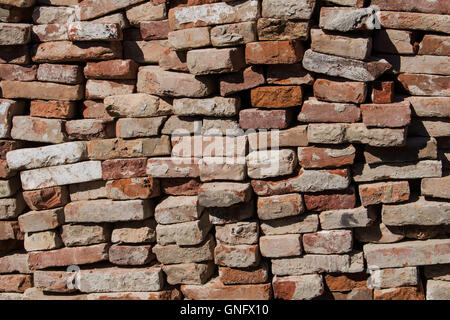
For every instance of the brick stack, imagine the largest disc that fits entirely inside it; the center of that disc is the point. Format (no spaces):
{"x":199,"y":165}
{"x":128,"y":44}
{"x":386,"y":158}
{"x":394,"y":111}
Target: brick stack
{"x":224,"y":150}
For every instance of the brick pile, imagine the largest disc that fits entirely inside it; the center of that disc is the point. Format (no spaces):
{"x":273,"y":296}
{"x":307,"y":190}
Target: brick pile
{"x":205,"y":149}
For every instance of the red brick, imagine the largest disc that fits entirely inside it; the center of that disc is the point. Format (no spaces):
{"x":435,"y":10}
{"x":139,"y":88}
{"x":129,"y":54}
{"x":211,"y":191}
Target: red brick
{"x":94,"y":110}
{"x":132,"y":188}
{"x":340,"y":91}
{"x":48,"y":198}
{"x":425,"y":84}
{"x":124,"y":168}
{"x":265,"y":119}
{"x":288,"y":74}
{"x":435,"y":45}
{"x":111,"y":69}
{"x":402,"y":293}
{"x":384,"y":192}
{"x":277,"y":246}
{"x":276,"y":97}
{"x":253,"y":275}
{"x":18,"y":73}
{"x":181,"y":186}
{"x":53,"y":109}
{"x":173,"y":60}
{"x":383,"y":92}
{"x":9,"y":230}
{"x":330,"y":200}
{"x":248,"y":78}
{"x":318,"y":111}
{"x":60,"y":73}
{"x":154,"y":30}
{"x":328,"y":242}
{"x":326,"y":157}
{"x":386,"y":115}
{"x":274,"y":52}
{"x":346,"y":282}
{"x":15,"y":283}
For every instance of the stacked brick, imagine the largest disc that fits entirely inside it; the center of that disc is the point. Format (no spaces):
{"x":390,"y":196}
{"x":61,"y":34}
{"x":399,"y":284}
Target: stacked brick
{"x":224,"y":150}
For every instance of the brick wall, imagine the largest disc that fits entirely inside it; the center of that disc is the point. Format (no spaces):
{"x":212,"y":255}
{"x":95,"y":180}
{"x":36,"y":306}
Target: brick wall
{"x":205,"y":149}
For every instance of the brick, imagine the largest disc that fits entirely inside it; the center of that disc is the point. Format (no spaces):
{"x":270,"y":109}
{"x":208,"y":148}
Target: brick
{"x":289,"y":9}
{"x":233,"y":34}
{"x":430,"y":6}
{"x":134,"y":232}
{"x":384,"y":192}
{"x":14,"y":34}
{"x":121,"y":279}
{"x":375,"y":137}
{"x":304,"y":287}
{"x":429,"y":127}
{"x":74,"y":235}
{"x":145,"y":12}
{"x":434,"y":45}
{"x":224,"y":194}
{"x":253,"y":275}
{"x":402,"y":293}
{"x":379,"y":233}
{"x":185,"y":233}
{"x":344,"y":67}
{"x":15,"y":54}
{"x":44,"y":199}
{"x":345,"y":199}
{"x":173,"y":167}
{"x":139,"y":127}
{"x":215,"y":61}
{"x":424,"y":64}
{"x":189,"y":273}
{"x":395,"y":41}
{"x":235,"y":213}
{"x":429,"y":106}
{"x":326,"y":157}
{"x":17,"y":73}
{"x":132,"y":188}
{"x":188,"y":39}
{"x":213,"y":107}
{"x":346,"y":282}
{"x":145,"y":52}
{"x":346,"y":19}
{"x":340,"y":91}
{"x":178,"y":209}
{"x":38,"y":129}
{"x":154,"y":30}
{"x":53,"y":281}
{"x":391,"y":278}
{"x":41,"y":90}
{"x":280,"y":206}
{"x":292,"y":74}
{"x":93,"y":211}
{"x":354,"y":47}
{"x":10,"y":109}
{"x":218,"y":168}
{"x":436,"y":187}
{"x":421,"y":169}
{"x":15,"y":282}
{"x":319,"y":111}
{"x":9,"y":230}
{"x":87,"y":191}
{"x":49,"y":32}
{"x":265,"y":119}
{"x":8,"y":188}
{"x":238,"y":233}
{"x":410,"y":253}
{"x":172,"y":294}
{"x":278,"y":246}
{"x":7,"y":146}
{"x":100,"y":89}
{"x":211,"y":14}
{"x":173,"y":60}
{"x":61,"y":175}
{"x":437,"y":290}
{"x":50,"y":15}
{"x":273,"y":52}
{"x":173,"y":254}
{"x":271,"y":163}
{"x":413,"y":21}
{"x":14,"y":263}
{"x":310,"y":263}
{"x":347,"y":218}
{"x":94,"y":110}
{"x":35,"y":221}
{"x":220,"y":127}
{"x":89,"y":129}
{"x":276,"y":97}
{"x":216,"y":290}
{"x":124,"y":255}
{"x":154,"y":80}
{"x":292,"y":137}
{"x":11,"y":208}
{"x":420,"y":212}
{"x":290,"y":225}
{"x":124,"y":168}
{"x":138,"y":105}
{"x":18,"y":3}
{"x":46,"y":240}
{"x":280,"y":29}
{"x":326,"y":133}
{"x":328,"y":242}
{"x":66,"y":51}
{"x":60,"y":73}
{"x":304,"y":181}
{"x":53,"y":109}
{"x":237,"y":256}
{"x":89,"y":9}
{"x":386,"y":115}
{"x":68,"y":256}
{"x":112,"y":69}
{"x":383,"y":92}
{"x":180,"y":186}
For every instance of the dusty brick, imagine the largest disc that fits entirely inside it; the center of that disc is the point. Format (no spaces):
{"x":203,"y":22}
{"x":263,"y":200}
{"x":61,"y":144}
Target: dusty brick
{"x":346,"y":282}
{"x":185,"y":233}
{"x":325,"y":157}
{"x":238,"y":233}
{"x":347,"y":218}
{"x":218,"y":168}
{"x":139,"y":105}
{"x":9,"y":109}
{"x":49,"y":14}
{"x":280,"y":29}
{"x":53,"y":281}
{"x":276,"y":97}
{"x":396,"y":277}
{"x":310,"y":263}
{"x":14,"y":34}
{"x":8,"y":188}
{"x":100,"y":89}
{"x":395,"y":41}
{"x":14,"y":263}
{"x":434,"y":45}
{"x":74,"y":235}
{"x":386,"y":115}
{"x":88,"y":190}
{"x":223,"y":194}
{"x":233,"y":34}
{"x":436,"y":187}
{"x":379,"y":233}
{"x":41,"y":90}
{"x":38,"y":129}
{"x":265,"y":119}
{"x":215,"y":61}
{"x":292,"y":137}
{"x":402,"y":293}
{"x":384,"y":192}
{"x":331,"y":200}
{"x":425,"y":85}
{"x":134,"y":232}
{"x":47,"y":198}
{"x":94,"y":110}
{"x":171,"y":294}
{"x":180,"y":186}
{"x":178,"y":209}
{"x":290,"y":225}
{"x":235,"y":213}
{"x":91,"y":31}
{"x":346,"y":19}
{"x":273,"y":52}
{"x":429,"y":106}
{"x":46,"y":240}
{"x":145,"y":52}
{"x":304,"y":287}
{"x":173,"y":167}
{"x":89,"y":129}
{"x":319,"y":111}
{"x":112,"y":69}
{"x":15,"y":282}
{"x":189,"y":273}
{"x":124,"y":255}
{"x":375,"y":137}
{"x":253,"y":275}
{"x":213,"y":107}
{"x":340,"y":91}
{"x":237,"y":256}
{"x":35,"y":221}
{"x":288,"y":9}
{"x":154,"y":30}
{"x":60,"y":73}
{"x":271,"y":163}
{"x":188,"y":39}
{"x":93,"y":211}
{"x":280,"y":206}
{"x":89,"y":9}
{"x":139,"y":127}
{"x":124,"y":168}
{"x":68,"y":256}
{"x":53,"y":109}
{"x":278,"y":246}
{"x":173,"y":254}
{"x":49,"y":32}
{"x":438,"y":6}
{"x":383,"y":92}
{"x":173,"y":60}
{"x":132,"y":188}
{"x":9,"y":230}
{"x":17,"y":73}
{"x":328,"y":242}
{"x":11,"y":208}
{"x":146,"y":11}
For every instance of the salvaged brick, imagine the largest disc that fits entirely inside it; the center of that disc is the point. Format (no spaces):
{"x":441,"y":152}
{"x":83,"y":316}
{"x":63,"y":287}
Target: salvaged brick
{"x":224,"y":194}
{"x":304,"y":287}
{"x":15,"y":283}
{"x":60,"y":73}
{"x":112,"y":69}
{"x":276,"y":97}
{"x":9,"y":109}
{"x":89,"y":9}
{"x":124,"y":168}
{"x":17,"y":73}
{"x":237,"y":256}
{"x":173,"y":254}
{"x":265,"y":119}
{"x":134,"y":232}
{"x":188,"y":39}
{"x":214,"y":107}
{"x":235,"y":213}
{"x":139,"y":105}
{"x":347,"y":218}
{"x":185,"y":233}
{"x":280,"y":206}
{"x":14,"y":34}
{"x":310,"y":263}
{"x":386,"y":115}
{"x":49,"y":32}
{"x":384,"y":192}
{"x":233,"y":34}
{"x":189,"y":273}
{"x":46,"y":240}
{"x":340,"y":91}
{"x":74,"y":235}
{"x":328,"y":242}
{"x":41,"y":90}
{"x":215,"y":61}
{"x":253,"y":275}
{"x":280,"y":29}
{"x":248,"y":78}
{"x":278,"y":246}
{"x":394,"y":41}
{"x":271,"y":163}
{"x":53,"y":109}
{"x":434,"y":45}
{"x":273,"y":52}
{"x":396,"y":277}
{"x":346,"y":19}
{"x":178,"y":209}
{"x":35,"y":221}
{"x":145,"y":52}
{"x":154,"y":30}
{"x":375,"y":137}
{"x":14,"y":263}
{"x":11,"y":208}
{"x":124,"y":255}
{"x":325,"y":157}
{"x":345,"y":199}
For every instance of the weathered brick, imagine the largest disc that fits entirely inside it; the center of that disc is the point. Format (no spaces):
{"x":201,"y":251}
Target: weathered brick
{"x":132,"y":188}
{"x":379,"y":233}
{"x":429,"y":106}
{"x":434,"y":45}
{"x":271,"y":163}
{"x":274,"y":52}
{"x":224,"y":194}
{"x":178,"y":209}
{"x":60,"y":73}
{"x":375,"y":137}
{"x":134,"y":232}
{"x":139,"y":105}
{"x":292,"y":74}
{"x":253,"y":275}
{"x":326,"y":157}
{"x":278,"y":246}
{"x":35,"y":221}
{"x":235,"y":213}
{"x":430,"y":6}
{"x":318,"y":111}
{"x":87,"y":190}
{"x":327,"y":133}
{"x":276,"y":97}
{"x":237,"y":256}
{"x":347,"y":218}
{"x":125,"y":255}
{"x":423,"y":64}
{"x":310,"y":263}
{"x":139,"y":127}
{"x":383,"y":92}
{"x":189,"y":273}
{"x":11,"y":208}
{"x":328,"y":242}
{"x":345,"y":199}
{"x":15,"y":54}
{"x":17,"y":73}
{"x":280,"y":29}
{"x":112,"y":69}
{"x":413,"y":21}
{"x":146,"y":11}
{"x":340,"y":91}
{"x":8,"y":188}
{"x":173,"y":60}
{"x":290,"y":225}
{"x":124,"y":168}
{"x":218,"y":168}
{"x":386,"y":115}
{"x":38,"y":241}
{"x":188,"y":39}
{"x":173,"y":167}
{"x":50,"y":14}
{"x":53,"y":109}
{"x":384,"y":192}
{"x":215,"y":61}
{"x":49,"y":32}
{"x":89,"y":9}
{"x":9,"y":230}
{"x":171,"y":294}
{"x":394,"y":41}
{"x":238,"y":233}
{"x":93,"y":211}
{"x":289,"y":9}
{"x":265,"y":119}
{"x":9,"y":109}
{"x":346,"y":19}
{"x":391,"y":278}
{"x":12,"y":263}
{"x":15,"y":282}
{"x":402,"y":293}
{"x":145,"y":52}
{"x":436,"y":187}
{"x":154,"y":30}
{"x":185,"y":233}
{"x":41,"y":90}
{"x":213,"y":107}
{"x":280,"y":206}
{"x":304,"y":287}
{"x":180,"y":186}
{"x":74,"y":235}
{"x":346,"y":282}
{"x":14,"y":34}
{"x":233,"y":34}
{"x":292,"y":137}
